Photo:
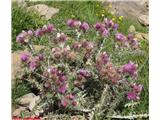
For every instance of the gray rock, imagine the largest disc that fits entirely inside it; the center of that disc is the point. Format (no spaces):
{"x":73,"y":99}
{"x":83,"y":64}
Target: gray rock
{"x":143,"y":19}
{"x":142,"y":36}
{"x":29,"y":100}
{"x":128,"y":9}
{"x":44,"y":11}
{"x":18,"y":111}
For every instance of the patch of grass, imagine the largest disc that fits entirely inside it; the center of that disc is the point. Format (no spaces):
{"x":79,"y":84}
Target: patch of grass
{"x":124,"y":25}
{"x":19,"y":90}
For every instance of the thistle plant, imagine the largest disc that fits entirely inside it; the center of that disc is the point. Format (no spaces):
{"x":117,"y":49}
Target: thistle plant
{"x":62,"y":71}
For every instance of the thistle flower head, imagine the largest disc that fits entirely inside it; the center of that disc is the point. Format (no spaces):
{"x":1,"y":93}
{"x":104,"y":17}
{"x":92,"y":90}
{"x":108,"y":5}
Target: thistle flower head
{"x":104,"y":58}
{"x":30,"y":32}
{"x":63,"y":78}
{"x":24,"y":57}
{"x":64,"y":103}
{"x":120,"y":37}
{"x":130,"y":37}
{"x":50,"y":28}
{"x":84,"y":73}
{"x":61,"y":37}
{"x":137,"y":88}
{"x":109,"y":23}
{"x":88,"y":45}
{"x":74,"y":103}
{"x":47,"y":84}
{"x":132,"y":96}
{"x":98,"y":26}
{"x":66,"y":50}
{"x":20,"y":38}
{"x":84,"y":26}
{"x":104,"y":32}
{"x":76,"y":45}
{"x":130,"y":68}
{"x":70,"y":22}
{"x":57,"y":52}
{"x":70,"y":97}
{"x":38,"y":32}
{"x":62,"y":88}
{"x":33,"y":64}
{"x":115,"y":27}
{"x":134,"y":43}
{"x":40,"y":57}
{"x":73,"y":23}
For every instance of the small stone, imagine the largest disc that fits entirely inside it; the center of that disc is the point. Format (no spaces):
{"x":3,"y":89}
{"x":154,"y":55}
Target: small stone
{"x":44,"y":10}
{"x":131,"y":9}
{"x":145,"y":36}
{"x":131,"y":29}
{"x":143,"y":19}
{"x":139,"y":36}
{"x":142,"y":36}
{"x":18,"y":111}
{"x":29,"y":100}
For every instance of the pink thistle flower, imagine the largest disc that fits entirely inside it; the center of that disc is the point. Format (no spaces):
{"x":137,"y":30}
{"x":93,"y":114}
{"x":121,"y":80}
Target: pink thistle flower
{"x":47,"y":84}
{"x":137,"y":88}
{"x":33,"y":64}
{"x":77,"y":45}
{"x":130,"y":68}
{"x":132,"y":96}
{"x":74,"y":103}
{"x":44,"y":29}
{"x":98,"y":26}
{"x":63,"y":78}
{"x":57,"y":52}
{"x":130,"y":37}
{"x":87,"y":55}
{"x":66,"y":50}
{"x":84,"y":73}
{"x":30,"y":33}
{"x":38,"y":32}
{"x":88,"y":45}
{"x":70,"y":97}
{"x":120,"y":37}
{"x":40,"y":57}
{"x":50,"y":28}
{"x":73,"y":23}
{"x":64,"y":103}
{"x":115,"y":27}
{"x":54,"y":71}
{"x":24,"y":57}
{"x":84,"y":26}
{"x":20,"y":38}
{"x":104,"y":57}
{"x":77,"y":23}
{"x":62,"y":88}
{"x":70,"y":22}
{"x":104,"y":32}
{"x":109,"y":23}
{"x":134,"y":43}
{"x":61,"y":37}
